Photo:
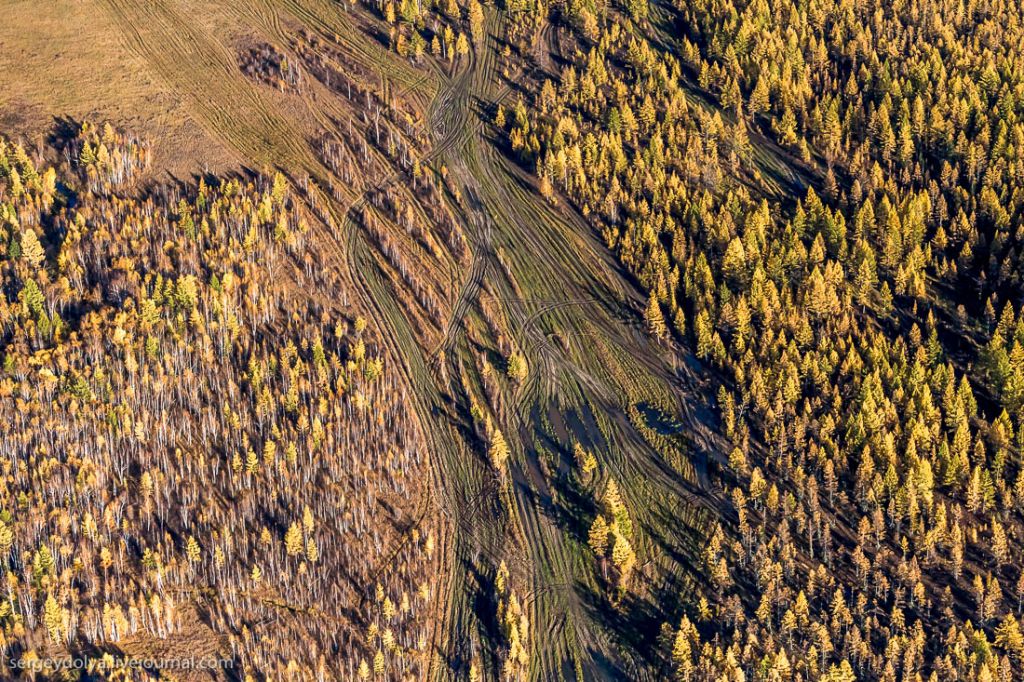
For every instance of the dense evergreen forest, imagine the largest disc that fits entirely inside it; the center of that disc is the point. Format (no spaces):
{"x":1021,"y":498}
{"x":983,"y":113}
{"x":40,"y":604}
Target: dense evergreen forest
{"x":823,"y":201}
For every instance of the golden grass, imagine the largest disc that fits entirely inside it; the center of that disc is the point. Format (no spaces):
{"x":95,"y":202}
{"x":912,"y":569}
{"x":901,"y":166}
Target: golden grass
{"x":167,"y":70}
{"x":69,"y":60}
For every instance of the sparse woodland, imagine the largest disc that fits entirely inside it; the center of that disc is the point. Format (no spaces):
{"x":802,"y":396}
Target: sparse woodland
{"x":200,"y":456}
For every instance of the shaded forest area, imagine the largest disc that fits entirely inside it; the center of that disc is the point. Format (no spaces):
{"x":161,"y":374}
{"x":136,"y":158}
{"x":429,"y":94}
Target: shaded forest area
{"x":823,"y":202}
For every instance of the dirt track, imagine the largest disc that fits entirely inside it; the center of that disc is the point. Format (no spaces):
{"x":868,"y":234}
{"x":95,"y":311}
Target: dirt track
{"x":571,"y":311}
{"x":563,"y":282}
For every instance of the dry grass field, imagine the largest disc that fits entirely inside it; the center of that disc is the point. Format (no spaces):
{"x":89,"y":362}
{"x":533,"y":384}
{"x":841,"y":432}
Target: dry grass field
{"x":168,"y":70}
{"x":70,"y":60}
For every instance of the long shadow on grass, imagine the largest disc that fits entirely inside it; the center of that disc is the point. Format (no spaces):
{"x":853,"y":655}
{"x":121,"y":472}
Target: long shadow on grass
{"x":633,"y":623}
{"x":484,"y":643}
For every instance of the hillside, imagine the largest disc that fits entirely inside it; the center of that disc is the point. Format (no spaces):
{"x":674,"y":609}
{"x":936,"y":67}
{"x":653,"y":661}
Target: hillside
{"x":395,"y":340}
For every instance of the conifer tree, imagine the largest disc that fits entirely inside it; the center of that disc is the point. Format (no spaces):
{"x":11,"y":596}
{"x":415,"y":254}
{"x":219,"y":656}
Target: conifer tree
{"x":31,"y":250}
{"x":597,"y":538}
{"x":498,"y":451}
{"x":293,"y":540}
{"x":653,"y":317}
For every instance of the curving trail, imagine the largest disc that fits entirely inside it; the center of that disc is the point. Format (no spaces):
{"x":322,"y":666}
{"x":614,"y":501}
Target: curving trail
{"x":782,"y":173}
{"x":556,"y":281}
{"x":218,"y":94}
{"x":571,"y":310}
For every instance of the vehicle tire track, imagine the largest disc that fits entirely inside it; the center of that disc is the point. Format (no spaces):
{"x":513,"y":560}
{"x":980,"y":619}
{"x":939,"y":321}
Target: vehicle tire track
{"x":224,"y":103}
